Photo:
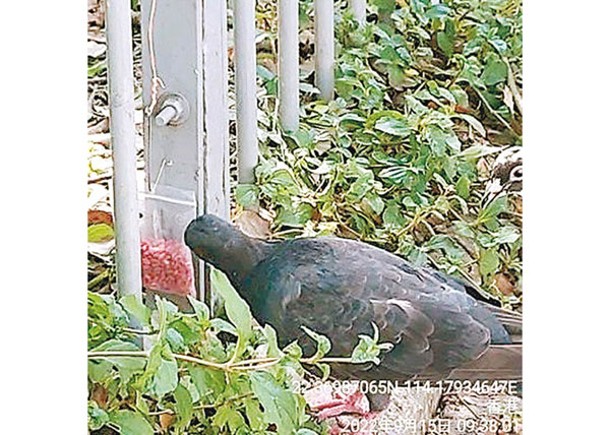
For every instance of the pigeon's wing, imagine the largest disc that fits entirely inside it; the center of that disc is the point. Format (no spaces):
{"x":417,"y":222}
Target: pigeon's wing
{"x":340,"y":288}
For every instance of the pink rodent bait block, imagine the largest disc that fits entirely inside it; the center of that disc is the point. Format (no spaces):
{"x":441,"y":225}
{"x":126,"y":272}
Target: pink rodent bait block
{"x":167,"y":267}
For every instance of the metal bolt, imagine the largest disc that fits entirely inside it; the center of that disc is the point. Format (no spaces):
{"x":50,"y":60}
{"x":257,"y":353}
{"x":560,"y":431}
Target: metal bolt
{"x":165,"y":116}
{"x":173,"y":110}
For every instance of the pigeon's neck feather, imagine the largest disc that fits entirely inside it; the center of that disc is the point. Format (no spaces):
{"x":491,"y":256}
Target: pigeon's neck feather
{"x":239,"y":257}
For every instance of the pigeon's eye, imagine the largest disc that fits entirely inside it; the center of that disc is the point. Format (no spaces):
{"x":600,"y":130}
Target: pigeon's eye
{"x":516,"y":174}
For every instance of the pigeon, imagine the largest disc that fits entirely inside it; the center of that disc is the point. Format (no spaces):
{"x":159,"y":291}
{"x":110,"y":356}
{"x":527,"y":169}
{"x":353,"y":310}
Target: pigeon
{"x":439,"y":326}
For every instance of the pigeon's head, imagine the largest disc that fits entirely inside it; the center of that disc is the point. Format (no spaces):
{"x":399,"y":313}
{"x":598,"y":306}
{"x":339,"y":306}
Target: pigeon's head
{"x":209,"y":237}
{"x":216,"y":241}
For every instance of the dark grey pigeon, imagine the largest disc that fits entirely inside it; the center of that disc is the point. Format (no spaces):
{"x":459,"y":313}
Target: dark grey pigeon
{"x":339,"y":288}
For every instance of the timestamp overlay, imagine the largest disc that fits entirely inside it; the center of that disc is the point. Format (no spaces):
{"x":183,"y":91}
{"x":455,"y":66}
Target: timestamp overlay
{"x":443,"y":407}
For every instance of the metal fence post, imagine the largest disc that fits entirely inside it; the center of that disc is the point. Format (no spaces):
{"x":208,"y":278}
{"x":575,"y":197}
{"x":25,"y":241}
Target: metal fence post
{"x":184,"y":47}
{"x":324,"y":47}
{"x":289,"y":80}
{"x":124,"y":153}
{"x":245,"y":86}
{"x":359,"y":10}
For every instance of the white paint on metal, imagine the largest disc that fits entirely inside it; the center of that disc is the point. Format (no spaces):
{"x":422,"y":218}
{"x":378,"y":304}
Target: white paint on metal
{"x":214,"y":183}
{"x":324,"y":47}
{"x":359,"y":10}
{"x":124,"y":152}
{"x":165,"y":116}
{"x":245,"y":86}
{"x":289,"y":80}
{"x":189,"y":49}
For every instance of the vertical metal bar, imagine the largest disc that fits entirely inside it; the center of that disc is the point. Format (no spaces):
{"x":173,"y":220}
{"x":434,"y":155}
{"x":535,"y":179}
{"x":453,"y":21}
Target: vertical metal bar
{"x":213,"y":172}
{"x":245,"y":87}
{"x":324,"y":47}
{"x":124,"y":153}
{"x":289,"y":106}
{"x":359,"y":10}
{"x":214,"y":181}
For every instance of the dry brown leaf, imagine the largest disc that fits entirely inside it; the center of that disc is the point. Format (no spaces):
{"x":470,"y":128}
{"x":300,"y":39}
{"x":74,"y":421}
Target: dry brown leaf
{"x":166,"y":420}
{"x":99,"y":395}
{"x":99,"y":217}
{"x":252,"y":224}
{"x":504,"y":284}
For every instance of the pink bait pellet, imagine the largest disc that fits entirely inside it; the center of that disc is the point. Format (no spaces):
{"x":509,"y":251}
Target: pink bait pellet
{"x":167,"y":267}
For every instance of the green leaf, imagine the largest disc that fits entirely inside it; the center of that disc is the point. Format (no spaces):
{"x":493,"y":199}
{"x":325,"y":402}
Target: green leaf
{"x":246,"y":195}
{"x":99,"y":370}
{"x":237,"y":310}
{"x":488,"y":214}
{"x":437,"y":139}
{"x":131,"y":423}
{"x":368,"y":349}
{"x":136,"y":309}
{"x":295,"y":216}
{"x":226,"y":415}
{"x":461,"y":97}
{"x":210,"y":383}
{"x":126,"y":366}
{"x":97,"y":417}
{"x":477,"y":125}
{"x":384,"y":6}
{"x":375,"y":202}
{"x":507,"y":234}
{"x":462,"y":187}
{"x":453,"y":251}
{"x":476,"y":151}
{"x":99,"y":233}
{"x":495,"y":71}
{"x":271,"y":337}
{"x":392,"y":216}
{"x":254,"y":415}
{"x":398,"y":174}
{"x":393,"y":126}
{"x":446,"y":39}
{"x":201,"y":309}
{"x":302,"y":137}
{"x":175,"y":340}
{"x":489,"y":262}
{"x":184,"y":405}
{"x":438,"y":11}
{"x":293,"y":350}
{"x":323,"y":344}
{"x":165,"y":368}
{"x":222,"y":325}
{"x":278,"y":403}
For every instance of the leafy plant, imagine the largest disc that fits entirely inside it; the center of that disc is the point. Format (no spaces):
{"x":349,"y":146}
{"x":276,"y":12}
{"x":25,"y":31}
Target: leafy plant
{"x":199,"y":374}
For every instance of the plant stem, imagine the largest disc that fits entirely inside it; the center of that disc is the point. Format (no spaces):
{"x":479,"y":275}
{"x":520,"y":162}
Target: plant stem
{"x":253,"y":364}
{"x":98,"y":279}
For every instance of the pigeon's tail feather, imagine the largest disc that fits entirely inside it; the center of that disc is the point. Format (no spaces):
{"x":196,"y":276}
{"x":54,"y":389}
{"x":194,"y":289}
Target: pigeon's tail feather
{"x":501,"y":362}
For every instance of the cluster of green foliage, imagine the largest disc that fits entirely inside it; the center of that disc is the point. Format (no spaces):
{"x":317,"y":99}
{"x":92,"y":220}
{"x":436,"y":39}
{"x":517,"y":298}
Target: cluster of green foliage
{"x":424,"y":102}
{"x":193,"y":380}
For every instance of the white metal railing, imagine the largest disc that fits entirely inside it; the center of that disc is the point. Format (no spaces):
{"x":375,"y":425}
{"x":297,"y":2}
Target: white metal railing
{"x":289,"y":80}
{"x":245,"y":87}
{"x":124,"y":154}
{"x":185,"y":86}
{"x":324,"y":47}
